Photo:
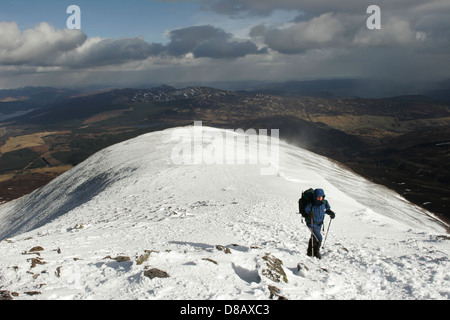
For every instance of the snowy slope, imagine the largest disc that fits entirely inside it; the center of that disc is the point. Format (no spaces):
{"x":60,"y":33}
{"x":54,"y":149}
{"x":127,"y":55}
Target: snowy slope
{"x":131,"y":200}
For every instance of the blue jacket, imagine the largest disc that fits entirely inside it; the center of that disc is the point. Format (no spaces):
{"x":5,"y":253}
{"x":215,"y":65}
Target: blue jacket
{"x":317,"y":208}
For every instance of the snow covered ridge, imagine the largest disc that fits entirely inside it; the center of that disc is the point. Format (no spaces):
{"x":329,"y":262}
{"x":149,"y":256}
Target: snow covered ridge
{"x":129,"y":223}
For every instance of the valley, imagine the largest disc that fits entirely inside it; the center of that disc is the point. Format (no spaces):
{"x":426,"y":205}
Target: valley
{"x":400,"y":142}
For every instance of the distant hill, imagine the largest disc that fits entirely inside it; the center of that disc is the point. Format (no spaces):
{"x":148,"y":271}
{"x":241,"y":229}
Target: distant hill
{"x":443,"y":95}
{"x":31,"y":98}
{"x":348,"y":88}
{"x":399,"y":141}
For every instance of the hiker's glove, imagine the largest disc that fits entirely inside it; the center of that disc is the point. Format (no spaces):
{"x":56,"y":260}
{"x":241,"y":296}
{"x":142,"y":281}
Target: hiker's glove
{"x":331,"y":213}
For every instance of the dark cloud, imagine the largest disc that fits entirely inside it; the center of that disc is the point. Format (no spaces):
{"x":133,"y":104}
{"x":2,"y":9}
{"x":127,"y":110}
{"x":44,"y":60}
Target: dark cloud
{"x":111,"y":52}
{"x":435,"y":30}
{"x":320,"y":24}
{"x":243,"y":8}
{"x":186,"y":40}
{"x":208,"y":41}
{"x":225,"y":50}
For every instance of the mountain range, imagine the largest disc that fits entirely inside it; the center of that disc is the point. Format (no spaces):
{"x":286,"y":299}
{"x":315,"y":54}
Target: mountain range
{"x":401,"y":142}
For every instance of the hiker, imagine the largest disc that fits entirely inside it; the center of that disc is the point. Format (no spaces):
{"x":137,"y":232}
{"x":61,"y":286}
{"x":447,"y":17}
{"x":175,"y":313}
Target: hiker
{"x":315,"y":211}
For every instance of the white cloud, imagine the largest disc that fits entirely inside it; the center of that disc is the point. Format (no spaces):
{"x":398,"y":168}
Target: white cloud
{"x":395,"y":32}
{"x":37,"y":46}
{"x":316,"y":33}
{"x":44,"y":46}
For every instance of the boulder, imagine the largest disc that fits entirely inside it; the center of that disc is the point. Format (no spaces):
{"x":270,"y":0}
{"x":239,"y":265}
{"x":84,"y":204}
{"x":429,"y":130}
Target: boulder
{"x":156,"y":273}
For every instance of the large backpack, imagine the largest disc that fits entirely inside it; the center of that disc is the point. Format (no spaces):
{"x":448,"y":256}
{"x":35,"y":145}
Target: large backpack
{"x":307,"y":196}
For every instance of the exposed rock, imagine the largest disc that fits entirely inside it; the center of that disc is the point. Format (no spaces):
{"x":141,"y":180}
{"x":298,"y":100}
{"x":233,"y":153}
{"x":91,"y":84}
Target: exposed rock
{"x":210,"y":260}
{"x":302,"y":266}
{"x":156,"y":273}
{"x":144,"y":257}
{"x":58,"y":272}
{"x":118,"y":258}
{"x":224,"y":249}
{"x":273,"y":269}
{"x":5,"y":295}
{"x":275,"y":292}
{"x":35,"y":262}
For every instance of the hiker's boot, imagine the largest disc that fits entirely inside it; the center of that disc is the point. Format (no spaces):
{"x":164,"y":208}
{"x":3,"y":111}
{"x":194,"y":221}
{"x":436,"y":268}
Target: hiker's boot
{"x":310,"y":247}
{"x":317,"y":251}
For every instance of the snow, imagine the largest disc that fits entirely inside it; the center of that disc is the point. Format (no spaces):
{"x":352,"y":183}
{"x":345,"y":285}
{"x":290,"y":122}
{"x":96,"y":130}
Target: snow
{"x":132,"y":199}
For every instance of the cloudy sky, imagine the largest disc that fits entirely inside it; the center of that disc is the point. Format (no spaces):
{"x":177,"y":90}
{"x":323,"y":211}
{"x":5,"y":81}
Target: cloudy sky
{"x":126,"y":43}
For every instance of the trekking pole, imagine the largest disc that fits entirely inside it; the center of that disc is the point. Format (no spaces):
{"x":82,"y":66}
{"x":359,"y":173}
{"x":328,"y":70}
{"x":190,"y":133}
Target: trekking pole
{"x":328,"y":229}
